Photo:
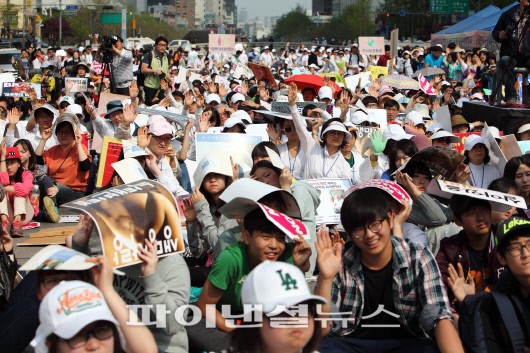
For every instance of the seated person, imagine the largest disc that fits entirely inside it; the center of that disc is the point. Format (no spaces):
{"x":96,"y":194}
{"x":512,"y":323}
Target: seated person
{"x":262,"y":241}
{"x":16,"y":208}
{"x":381,"y":280}
{"x":474,"y":247}
{"x":68,"y":162}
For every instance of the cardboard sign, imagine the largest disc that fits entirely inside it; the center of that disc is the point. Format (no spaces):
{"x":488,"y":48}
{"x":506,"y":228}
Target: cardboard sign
{"x":57,"y":257}
{"x":425,"y":85}
{"x":377,"y":116}
{"x":242,"y":70}
{"x":18,"y":89}
{"x":263,"y":72}
{"x":494,"y":197}
{"x":376,"y":71}
{"x":363,"y":144}
{"x":283,"y":107}
{"x":442,"y":116}
{"x":510,"y":147}
{"x":421,"y":141}
{"x":126,"y":215}
{"x":222,"y":43}
{"x":79,"y":84}
{"x":106,"y":97}
{"x":181,"y":76}
{"x":130,"y":170}
{"x":524,"y":146}
{"x":441,"y":161}
{"x":239,"y":146}
{"x":459,"y":147}
{"x":109,"y":155}
{"x":390,"y":187}
{"x":353,"y":81}
{"x":301,"y":71}
{"x":372,"y":45}
{"x":293,"y":228}
{"x":497,"y":158}
{"x":331,"y":191}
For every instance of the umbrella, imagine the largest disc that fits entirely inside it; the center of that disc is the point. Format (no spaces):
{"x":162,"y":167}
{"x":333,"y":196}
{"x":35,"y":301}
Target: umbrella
{"x":310,"y":81}
{"x":400,"y":82}
{"x":429,"y":71}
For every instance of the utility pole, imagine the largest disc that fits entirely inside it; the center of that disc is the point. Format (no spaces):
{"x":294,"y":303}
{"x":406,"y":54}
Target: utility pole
{"x":60,"y":23}
{"x":24,"y":22}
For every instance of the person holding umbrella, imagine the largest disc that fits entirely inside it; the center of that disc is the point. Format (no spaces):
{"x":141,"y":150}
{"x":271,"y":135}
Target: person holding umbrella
{"x":324,"y":159}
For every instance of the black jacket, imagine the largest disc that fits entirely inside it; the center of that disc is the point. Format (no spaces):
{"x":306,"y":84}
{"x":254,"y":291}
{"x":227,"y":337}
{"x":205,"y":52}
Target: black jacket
{"x":508,"y":24}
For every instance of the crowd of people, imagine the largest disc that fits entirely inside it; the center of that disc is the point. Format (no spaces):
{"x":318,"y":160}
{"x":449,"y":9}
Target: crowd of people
{"x":393,"y":275}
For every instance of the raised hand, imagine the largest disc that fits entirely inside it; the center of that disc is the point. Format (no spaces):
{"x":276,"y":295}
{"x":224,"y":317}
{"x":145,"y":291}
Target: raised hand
{"x":148,"y":256}
{"x":129,"y":115}
{"x":13,"y":116}
{"x":460,"y":285}
{"x":134,"y":91}
{"x":329,"y":254}
{"x":292,"y":94}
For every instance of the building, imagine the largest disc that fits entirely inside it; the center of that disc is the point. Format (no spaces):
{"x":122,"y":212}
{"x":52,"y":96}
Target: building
{"x":322,"y":7}
{"x":200,"y":9}
{"x":243,"y":15}
{"x":185,"y":13}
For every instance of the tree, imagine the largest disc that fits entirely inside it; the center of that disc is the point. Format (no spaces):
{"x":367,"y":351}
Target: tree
{"x":355,"y":20}
{"x":50,"y":29}
{"x":9,"y":17}
{"x":294,"y":25}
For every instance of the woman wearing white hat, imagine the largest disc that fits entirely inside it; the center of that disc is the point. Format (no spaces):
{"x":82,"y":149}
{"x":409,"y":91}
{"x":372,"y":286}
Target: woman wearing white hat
{"x":477,"y":158}
{"x":76,"y":316}
{"x":324,"y":160}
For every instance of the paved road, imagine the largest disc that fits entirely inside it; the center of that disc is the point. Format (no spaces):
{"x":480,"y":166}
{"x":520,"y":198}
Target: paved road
{"x":23,"y":253}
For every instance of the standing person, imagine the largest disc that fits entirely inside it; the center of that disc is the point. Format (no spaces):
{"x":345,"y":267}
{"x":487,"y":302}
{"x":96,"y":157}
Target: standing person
{"x":23,"y":64}
{"x":155,"y":66}
{"x":121,"y":66}
{"x":507,"y":33}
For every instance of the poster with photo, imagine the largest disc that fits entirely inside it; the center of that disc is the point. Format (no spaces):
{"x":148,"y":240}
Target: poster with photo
{"x":331,"y":192}
{"x":125,"y":215}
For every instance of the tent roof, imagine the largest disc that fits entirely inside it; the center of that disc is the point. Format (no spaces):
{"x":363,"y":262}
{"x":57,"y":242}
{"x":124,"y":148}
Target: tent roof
{"x":485,"y":20}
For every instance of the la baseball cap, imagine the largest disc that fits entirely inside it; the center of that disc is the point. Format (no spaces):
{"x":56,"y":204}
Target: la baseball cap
{"x":274,"y":285}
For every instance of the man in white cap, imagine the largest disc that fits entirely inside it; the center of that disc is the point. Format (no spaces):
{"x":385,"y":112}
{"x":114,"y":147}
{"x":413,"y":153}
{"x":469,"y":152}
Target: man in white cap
{"x":266,"y":58}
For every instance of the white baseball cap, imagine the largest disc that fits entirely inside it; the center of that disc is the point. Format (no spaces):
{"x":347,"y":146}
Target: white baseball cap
{"x":242,"y":115}
{"x":68,"y":99}
{"x":74,"y":109}
{"x":238,"y":97}
{"x":233,"y":121}
{"x":471,"y":141}
{"x":64,"y":317}
{"x":325,"y":92}
{"x":415,"y":117}
{"x":442,"y":133}
{"x":276,"y":285}
{"x":495,"y":132}
{"x":396,"y":133}
{"x":213,"y":97}
{"x":359,"y":117}
{"x":434,"y":127}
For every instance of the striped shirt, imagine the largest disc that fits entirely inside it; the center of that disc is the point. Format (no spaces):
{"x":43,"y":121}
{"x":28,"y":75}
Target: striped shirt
{"x":417,"y":288}
{"x":122,"y":68}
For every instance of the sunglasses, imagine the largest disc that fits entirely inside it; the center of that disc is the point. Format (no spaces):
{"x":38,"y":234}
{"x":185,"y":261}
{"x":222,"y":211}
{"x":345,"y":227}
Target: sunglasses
{"x":446,"y":140}
{"x":289,"y":129}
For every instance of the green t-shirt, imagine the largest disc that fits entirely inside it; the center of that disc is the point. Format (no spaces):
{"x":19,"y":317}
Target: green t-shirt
{"x":230,"y":269}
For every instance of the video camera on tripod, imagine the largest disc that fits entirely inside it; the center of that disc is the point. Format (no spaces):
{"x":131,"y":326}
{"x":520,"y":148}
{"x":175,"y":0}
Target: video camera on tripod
{"x":107,"y":50}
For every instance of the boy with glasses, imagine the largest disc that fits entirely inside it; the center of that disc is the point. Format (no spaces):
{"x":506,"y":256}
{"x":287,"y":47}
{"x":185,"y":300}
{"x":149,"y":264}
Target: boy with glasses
{"x":389,"y":292}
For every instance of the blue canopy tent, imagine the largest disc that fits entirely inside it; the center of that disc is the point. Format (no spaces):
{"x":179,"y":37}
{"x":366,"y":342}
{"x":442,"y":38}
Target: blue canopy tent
{"x":474,"y":31}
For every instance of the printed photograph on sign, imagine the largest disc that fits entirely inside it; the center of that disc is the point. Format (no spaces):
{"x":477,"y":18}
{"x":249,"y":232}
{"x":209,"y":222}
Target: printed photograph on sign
{"x":331,"y":192}
{"x":372,"y":45}
{"x":79,"y":84}
{"x":126,"y":215}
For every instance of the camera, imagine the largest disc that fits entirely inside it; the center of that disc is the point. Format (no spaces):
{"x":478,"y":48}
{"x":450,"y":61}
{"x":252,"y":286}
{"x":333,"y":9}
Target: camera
{"x":107,"y":47}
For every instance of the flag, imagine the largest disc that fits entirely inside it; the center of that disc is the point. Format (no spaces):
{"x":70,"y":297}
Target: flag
{"x":97,"y":67}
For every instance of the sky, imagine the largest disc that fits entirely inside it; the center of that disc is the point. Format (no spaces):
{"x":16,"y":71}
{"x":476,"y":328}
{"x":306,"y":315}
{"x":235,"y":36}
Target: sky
{"x":260,"y":8}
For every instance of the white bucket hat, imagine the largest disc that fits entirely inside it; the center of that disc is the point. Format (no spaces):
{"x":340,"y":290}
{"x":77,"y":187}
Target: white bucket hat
{"x":336,"y":126}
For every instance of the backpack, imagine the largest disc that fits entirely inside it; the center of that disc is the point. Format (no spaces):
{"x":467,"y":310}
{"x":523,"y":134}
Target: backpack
{"x":492,"y":323}
{"x":140,"y":77}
